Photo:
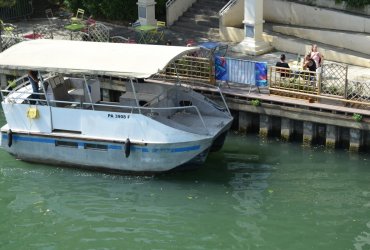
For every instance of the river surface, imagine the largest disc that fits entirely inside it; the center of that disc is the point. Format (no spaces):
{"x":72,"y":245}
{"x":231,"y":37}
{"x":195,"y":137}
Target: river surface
{"x":254,"y":194}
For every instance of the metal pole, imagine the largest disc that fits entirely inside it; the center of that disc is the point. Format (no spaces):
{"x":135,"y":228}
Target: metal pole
{"x":133,"y":89}
{"x":88,"y":93}
{"x":43,"y":87}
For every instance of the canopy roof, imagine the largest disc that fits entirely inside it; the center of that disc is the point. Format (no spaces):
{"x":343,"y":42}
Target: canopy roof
{"x":112,"y":59}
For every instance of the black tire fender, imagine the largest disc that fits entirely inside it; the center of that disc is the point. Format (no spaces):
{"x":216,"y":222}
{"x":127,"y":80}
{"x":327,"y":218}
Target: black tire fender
{"x":127,"y":147}
{"x":10,"y":138}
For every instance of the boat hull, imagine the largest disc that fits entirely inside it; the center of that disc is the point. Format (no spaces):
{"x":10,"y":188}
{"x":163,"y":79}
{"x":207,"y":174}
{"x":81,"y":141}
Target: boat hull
{"x":109,"y":155}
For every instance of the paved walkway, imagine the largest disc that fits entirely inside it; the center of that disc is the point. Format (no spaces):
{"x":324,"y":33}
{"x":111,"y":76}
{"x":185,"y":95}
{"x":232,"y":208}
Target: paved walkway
{"x":354,"y":72}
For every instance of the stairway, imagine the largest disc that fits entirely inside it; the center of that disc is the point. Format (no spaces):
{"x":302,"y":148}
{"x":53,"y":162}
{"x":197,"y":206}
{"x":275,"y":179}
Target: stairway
{"x":200,"y":23}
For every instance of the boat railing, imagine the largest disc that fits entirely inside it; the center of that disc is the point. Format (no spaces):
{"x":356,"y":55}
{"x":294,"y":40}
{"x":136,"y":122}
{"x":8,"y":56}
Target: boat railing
{"x":159,"y":97}
{"x":11,"y":99}
{"x":148,"y":111}
{"x":184,"y":108}
{"x":209,"y":86}
{"x":152,"y":112}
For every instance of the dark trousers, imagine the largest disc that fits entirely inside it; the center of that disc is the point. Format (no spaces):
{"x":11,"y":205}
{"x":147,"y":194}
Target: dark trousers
{"x":35,"y":89}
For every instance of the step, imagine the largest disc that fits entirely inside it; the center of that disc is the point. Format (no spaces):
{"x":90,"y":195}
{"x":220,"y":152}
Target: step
{"x":347,"y":40}
{"x":180,"y":38}
{"x":189,"y":32}
{"x":210,"y":2}
{"x":202,"y":11}
{"x":198,"y":29}
{"x":214,"y":18}
{"x":213,"y":6}
{"x":196,"y":24}
{"x":301,"y":46}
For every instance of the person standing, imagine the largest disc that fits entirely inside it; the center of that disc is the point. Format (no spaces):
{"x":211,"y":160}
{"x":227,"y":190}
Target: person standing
{"x":317,"y":57}
{"x":32,"y":77}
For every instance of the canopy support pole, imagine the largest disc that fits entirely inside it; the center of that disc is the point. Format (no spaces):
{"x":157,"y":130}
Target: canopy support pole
{"x":134,"y":91}
{"x":88,"y":92}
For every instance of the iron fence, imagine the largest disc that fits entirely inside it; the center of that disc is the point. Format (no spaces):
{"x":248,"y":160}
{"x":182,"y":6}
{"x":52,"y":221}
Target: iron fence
{"x":334,"y":80}
{"x":330,"y":83}
{"x":21,"y":9}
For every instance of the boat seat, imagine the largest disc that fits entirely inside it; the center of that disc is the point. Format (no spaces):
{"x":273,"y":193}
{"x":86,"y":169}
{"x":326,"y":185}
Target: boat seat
{"x":60,"y":88}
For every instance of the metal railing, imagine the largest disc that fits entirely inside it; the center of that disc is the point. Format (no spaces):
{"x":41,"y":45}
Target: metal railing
{"x":191,"y":68}
{"x":227,"y":7}
{"x":169,"y":3}
{"x":148,"y":111}
{"x":331,"y":83}
{"x":21,"y":9}
{"x":299,"y":81}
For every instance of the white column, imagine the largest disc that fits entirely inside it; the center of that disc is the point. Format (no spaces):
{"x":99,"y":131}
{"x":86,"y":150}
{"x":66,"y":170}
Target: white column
{"x":253,"y":42}
{"x":146,"y":12}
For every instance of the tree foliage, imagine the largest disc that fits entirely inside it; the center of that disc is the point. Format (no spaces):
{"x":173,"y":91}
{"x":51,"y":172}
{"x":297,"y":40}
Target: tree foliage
{"x":7,"y":3}
{"x":355,"y":3}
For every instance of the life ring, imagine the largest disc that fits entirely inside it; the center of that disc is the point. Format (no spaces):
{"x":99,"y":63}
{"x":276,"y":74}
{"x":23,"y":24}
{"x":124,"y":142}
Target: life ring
{"x":10,"y":138}
{"x":127,"y":148}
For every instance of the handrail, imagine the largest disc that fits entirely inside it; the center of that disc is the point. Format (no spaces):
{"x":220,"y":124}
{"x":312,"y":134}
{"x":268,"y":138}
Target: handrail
{"x":157,"y":98}
{"x":169,"y":3}
{"x":226,"y":7}
{"x":223,"y":99}
{"x":219,"y":91}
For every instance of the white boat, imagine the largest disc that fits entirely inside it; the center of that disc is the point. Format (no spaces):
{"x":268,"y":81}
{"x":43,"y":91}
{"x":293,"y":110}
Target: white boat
{"x":154,"y":127}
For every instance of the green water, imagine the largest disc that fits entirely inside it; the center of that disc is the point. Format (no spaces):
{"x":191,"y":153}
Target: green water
{"x":254,"y":194}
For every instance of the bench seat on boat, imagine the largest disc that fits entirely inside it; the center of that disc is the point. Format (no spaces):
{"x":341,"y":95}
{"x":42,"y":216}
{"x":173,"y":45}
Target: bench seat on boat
{"x":60,"y":87}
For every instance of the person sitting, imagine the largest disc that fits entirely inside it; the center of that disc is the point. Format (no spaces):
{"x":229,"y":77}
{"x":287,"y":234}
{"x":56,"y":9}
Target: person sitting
{"x":283,"y":64}
{"x":310,"y":65}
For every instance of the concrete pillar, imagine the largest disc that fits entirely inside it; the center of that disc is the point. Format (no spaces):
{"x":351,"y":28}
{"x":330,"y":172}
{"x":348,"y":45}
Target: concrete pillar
{"x":146,"y":12}
{"x":245,"y":121}
{"x":286,"y":129}
{"x":308,"y":133}
{"x":354,"y":139}
{"x":264,"y":125}
{"x":331,"y":136}
{"x":253,"y":42}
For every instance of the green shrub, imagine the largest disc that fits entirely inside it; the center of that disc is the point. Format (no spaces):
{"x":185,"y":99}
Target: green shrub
{"x":256,"y":102}
{"x":357,"y":117}
{"x":6,"y":3}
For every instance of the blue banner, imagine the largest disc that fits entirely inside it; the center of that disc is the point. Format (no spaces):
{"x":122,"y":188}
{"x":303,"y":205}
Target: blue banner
{"x":261,"y":74}
{"x":221,"y":69}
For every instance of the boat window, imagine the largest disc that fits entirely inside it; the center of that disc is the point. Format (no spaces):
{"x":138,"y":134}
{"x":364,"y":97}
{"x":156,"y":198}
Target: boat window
{"x":70,"y":144}
{"x":142,"y":103}
{"x":183,"y":103}
{"x":96,"y":146}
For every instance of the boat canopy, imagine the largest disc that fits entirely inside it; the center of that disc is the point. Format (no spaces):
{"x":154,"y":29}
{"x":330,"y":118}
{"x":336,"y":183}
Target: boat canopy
{"x":91,"y":58}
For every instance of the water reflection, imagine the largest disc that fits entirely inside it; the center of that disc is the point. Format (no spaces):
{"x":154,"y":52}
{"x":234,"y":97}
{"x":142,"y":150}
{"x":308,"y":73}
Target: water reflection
{"x":254,"y":194}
